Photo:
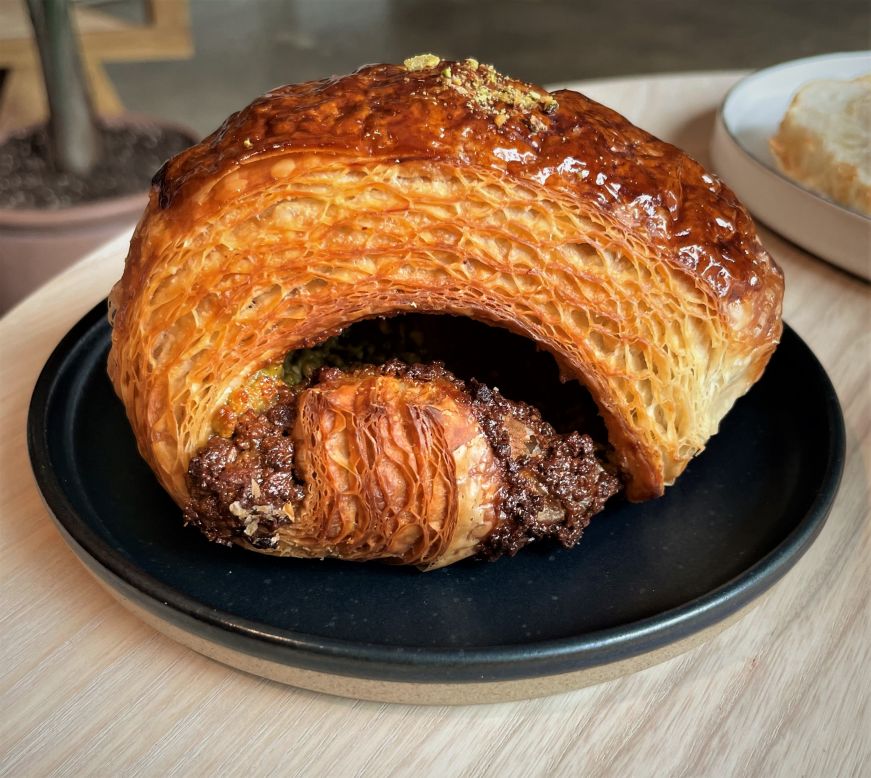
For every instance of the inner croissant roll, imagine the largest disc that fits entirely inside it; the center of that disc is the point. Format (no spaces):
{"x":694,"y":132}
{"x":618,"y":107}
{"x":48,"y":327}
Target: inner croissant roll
{"x":433,"y":187}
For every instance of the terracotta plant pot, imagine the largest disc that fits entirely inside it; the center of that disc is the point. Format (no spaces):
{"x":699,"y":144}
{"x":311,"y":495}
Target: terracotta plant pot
{"x":36,"y":244}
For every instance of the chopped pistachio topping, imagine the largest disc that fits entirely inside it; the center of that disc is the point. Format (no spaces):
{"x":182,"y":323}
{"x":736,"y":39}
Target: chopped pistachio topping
{"x":421,"y":62}
{"x":487,"y":90}
{"x":490,"y":91}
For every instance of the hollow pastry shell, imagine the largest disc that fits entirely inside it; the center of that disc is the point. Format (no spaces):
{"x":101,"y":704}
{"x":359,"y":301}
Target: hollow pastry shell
{"x":447,"y":188}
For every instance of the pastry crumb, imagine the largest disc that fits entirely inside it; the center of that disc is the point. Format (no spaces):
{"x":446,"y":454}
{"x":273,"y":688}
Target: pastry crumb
{"x":537,"y":124}
{"x":421,"y":62}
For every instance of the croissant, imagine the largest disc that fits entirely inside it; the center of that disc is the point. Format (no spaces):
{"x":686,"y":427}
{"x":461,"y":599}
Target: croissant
{"x":447,"y":188}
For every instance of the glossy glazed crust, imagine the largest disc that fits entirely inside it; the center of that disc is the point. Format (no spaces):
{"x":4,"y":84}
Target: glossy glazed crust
{"x":583,"y":149}
{"x":445,"y":188}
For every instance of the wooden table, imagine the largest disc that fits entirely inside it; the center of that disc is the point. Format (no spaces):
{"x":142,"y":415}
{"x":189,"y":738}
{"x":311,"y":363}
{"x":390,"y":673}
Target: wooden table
{"x":88,"y":688}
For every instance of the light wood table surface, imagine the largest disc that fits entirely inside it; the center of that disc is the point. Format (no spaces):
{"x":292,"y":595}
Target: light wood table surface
{"x":89,"y":689}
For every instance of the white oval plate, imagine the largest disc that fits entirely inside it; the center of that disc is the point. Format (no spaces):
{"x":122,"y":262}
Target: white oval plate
{"x":749,"y":115}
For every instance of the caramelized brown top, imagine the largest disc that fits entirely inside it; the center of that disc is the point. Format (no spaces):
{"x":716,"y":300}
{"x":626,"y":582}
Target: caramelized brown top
{"x":464,"y":113}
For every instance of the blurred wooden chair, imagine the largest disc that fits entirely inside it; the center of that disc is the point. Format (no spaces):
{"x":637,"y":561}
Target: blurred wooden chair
{"x":104,"y":38}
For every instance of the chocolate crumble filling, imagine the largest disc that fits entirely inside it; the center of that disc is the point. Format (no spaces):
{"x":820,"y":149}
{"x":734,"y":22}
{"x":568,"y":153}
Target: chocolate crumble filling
{"x":553,"y":483}
{"x":239,"y":485}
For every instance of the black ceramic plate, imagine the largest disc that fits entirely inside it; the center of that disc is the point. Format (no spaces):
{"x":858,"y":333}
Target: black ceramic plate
{"x":643,"y":577}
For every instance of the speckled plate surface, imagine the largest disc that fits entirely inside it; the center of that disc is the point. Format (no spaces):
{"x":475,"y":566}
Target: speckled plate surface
{"x":646,"y":581}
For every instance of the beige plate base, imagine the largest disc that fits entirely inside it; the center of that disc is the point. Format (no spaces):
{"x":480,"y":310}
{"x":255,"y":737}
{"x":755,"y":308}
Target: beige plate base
{"x":424,"y":693}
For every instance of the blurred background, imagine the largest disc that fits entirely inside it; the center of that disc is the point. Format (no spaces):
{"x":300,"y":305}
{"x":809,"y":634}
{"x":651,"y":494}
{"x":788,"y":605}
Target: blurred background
{"x":242,"y":48}
{"x":132,"y":82}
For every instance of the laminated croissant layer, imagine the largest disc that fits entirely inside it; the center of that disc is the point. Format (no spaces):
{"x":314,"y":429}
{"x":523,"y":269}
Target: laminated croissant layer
{"x":407,"y":189}
{"x":395,"y":468}
{"x":395,"y":462}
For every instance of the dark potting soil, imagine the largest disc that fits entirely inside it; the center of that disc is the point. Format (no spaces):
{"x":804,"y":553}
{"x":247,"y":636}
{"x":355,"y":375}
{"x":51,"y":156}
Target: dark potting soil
{"x":130,"y":157}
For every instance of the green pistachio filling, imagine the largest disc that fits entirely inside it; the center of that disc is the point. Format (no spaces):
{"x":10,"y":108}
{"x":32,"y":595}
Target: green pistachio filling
{"x":371,"y":342}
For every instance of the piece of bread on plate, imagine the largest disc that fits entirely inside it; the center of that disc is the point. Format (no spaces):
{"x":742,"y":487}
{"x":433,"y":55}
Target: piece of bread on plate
{"x":824,"y":140}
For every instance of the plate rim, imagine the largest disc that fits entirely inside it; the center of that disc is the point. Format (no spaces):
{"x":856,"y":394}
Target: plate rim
{"x":742,"y":83}
{"x":419,"y":663}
